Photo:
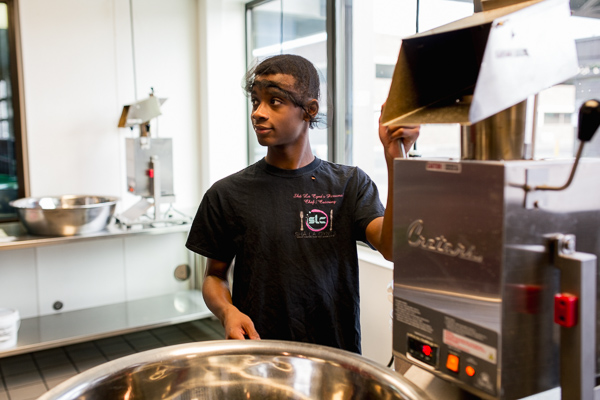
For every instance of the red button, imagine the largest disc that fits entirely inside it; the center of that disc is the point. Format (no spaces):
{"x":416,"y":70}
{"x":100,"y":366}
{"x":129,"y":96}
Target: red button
{"x":427,"y":350}
{"x":470,"y":370}
{"x":565,"y":309}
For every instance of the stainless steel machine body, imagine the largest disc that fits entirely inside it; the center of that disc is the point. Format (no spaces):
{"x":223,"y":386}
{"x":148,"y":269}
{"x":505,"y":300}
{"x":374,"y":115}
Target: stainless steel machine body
{"x":475,"y":275}
{"x":495,"y":257}
{"x":140,"y":152}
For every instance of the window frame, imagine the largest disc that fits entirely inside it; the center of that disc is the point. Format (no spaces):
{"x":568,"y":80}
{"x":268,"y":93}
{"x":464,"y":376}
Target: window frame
{"x":337,"y":49}
{"x":18,"y":104}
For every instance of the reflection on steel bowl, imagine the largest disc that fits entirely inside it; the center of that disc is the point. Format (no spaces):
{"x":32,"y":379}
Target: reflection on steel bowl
{"x":238,"y":369}
{"x":65,"y":215}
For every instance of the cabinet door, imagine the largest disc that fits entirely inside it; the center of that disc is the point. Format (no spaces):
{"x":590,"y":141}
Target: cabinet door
{"x":150,"y":263}
{"x":81,"y":275}
{"x":18,"y":282}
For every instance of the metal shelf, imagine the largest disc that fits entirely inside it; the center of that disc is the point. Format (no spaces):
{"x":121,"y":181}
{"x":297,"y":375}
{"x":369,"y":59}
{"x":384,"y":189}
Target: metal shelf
{"x":72,"y":327}
{"x":18,"y":238}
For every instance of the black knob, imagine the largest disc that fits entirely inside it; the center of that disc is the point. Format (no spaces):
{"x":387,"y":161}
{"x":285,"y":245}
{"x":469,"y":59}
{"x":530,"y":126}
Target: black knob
{"x":589,"y":120}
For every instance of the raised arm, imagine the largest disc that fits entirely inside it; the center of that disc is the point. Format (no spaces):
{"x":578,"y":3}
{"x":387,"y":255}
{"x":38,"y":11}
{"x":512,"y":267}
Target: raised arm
{"x":380,"y":231}
{"x":217,"y":296}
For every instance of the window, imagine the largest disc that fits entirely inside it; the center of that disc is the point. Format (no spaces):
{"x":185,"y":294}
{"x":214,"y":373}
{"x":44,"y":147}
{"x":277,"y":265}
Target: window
{"x":11,"y":160}
{"x":371,"y":36}
{"x":290,"y":27}
{"x":377,"y":29}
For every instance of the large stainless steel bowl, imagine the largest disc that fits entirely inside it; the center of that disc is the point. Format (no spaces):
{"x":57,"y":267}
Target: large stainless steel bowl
{"x":234,"y":369}
{"x":65,"y":215}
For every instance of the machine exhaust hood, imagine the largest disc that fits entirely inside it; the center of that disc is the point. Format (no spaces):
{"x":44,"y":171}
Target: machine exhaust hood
{"x":473,"y":68}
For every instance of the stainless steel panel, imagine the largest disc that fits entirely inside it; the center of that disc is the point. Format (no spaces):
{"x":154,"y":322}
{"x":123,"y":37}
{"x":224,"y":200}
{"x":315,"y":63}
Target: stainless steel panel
{"x":469,"y":252}
{"x":501,"y":136}
{"x":500,"y":57}
{"x":139,"y":154}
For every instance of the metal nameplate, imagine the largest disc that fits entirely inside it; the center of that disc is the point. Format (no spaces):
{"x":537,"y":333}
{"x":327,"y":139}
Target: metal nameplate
{"x":452,"y":167}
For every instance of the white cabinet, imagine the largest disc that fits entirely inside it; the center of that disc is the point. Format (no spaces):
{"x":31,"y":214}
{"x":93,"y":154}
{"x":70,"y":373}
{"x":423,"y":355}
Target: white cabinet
{"x":375,"y":275}
{"x":73,"y":289}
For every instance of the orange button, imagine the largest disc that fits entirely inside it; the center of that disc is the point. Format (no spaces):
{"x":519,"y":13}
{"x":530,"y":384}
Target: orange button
{"x":452,"y":362}
{"x":470,"y":370}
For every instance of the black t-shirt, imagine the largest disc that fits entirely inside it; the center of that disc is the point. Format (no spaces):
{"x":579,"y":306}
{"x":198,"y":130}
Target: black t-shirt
{"x":293,"y":235}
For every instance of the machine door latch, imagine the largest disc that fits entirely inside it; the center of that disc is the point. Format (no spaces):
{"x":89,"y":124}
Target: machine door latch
{"x":565,"y":309}
{"x":576,"y":314}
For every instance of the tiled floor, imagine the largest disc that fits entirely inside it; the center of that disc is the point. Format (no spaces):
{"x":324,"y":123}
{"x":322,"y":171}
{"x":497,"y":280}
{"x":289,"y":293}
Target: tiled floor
{"x":28,"y":376}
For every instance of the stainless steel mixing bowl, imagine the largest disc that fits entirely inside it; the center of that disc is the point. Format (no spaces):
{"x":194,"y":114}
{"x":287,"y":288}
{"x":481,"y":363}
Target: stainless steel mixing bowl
{"x":236,"y":369}
{"x":65,"y":215}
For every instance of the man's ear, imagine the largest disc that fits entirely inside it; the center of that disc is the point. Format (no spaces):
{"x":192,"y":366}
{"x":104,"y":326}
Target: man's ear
{"x":312,"y":109}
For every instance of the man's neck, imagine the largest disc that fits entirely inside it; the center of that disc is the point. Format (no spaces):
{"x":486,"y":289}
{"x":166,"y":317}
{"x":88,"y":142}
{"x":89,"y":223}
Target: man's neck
{"x":283,"y":159}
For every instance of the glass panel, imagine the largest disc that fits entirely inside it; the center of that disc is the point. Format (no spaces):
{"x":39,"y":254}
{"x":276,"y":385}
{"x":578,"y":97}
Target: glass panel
{"x":558,"y":106}
{"x":377,"y":30}
{"x":8,"y":160}
{"x":291,"y":27}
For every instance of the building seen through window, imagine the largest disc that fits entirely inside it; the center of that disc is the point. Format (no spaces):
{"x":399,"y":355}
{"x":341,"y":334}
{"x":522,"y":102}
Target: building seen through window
{"x":373,"y":32}
{"x":290,"y":27}
{"x":377,"y":29}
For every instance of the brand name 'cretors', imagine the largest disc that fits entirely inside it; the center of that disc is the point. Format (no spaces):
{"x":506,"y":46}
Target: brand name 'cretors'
{"x":440,"y":244}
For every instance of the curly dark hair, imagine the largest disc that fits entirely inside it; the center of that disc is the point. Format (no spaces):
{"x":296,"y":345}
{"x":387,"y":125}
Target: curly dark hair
{"x":306,"y":88}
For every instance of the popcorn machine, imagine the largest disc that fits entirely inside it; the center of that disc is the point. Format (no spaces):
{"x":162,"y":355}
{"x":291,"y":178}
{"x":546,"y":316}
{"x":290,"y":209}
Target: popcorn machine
{"x":495,"y":255}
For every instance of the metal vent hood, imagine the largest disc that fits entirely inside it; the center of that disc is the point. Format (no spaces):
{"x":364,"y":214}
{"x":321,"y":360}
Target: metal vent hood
{"x":473,"y":68}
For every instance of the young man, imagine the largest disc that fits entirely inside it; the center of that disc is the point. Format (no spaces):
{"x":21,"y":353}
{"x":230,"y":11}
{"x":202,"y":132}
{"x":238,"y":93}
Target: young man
{"x":291,"y":222}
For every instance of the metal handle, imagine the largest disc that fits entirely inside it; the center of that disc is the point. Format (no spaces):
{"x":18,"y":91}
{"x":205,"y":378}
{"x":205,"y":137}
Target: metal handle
{"x":589,"y":121}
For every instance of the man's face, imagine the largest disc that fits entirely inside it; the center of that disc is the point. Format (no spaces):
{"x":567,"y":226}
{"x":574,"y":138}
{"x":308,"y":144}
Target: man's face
{"x":276,"y":119}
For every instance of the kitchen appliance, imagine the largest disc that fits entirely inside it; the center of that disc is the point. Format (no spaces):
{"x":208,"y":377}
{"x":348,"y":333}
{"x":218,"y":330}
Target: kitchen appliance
{"x":149,"y":168}
{"x":237,"y":369}
{"x":495,"y":255}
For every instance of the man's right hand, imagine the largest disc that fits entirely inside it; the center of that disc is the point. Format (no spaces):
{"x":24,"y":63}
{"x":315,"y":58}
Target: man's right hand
{"x":217,"y":297}
{"x":238,"y":325}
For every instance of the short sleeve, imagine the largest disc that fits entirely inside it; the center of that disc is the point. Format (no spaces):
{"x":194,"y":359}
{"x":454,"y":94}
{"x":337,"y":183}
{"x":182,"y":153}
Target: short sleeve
{"x":368,"y":205}
{"x":210,"y":234}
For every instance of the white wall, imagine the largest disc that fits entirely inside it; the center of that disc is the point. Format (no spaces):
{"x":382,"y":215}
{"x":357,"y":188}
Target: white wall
{"x":78,"y":73}
{"x":223,"y":104}
{"x":375,"y":306}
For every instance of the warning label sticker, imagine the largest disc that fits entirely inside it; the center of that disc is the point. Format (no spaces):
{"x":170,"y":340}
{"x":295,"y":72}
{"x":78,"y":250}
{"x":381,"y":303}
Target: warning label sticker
{"x":443,"y":167}
{"x":470,"y":346}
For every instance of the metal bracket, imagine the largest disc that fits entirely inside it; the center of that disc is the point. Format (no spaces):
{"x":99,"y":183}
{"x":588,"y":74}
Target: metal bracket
{"x":534,"y":177}
{"x":577,"y":343}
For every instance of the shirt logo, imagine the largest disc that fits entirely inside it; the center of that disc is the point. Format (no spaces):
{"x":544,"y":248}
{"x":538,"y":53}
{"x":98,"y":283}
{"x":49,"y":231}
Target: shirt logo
{"x":315,"y":224}
{"x":316,"y":220}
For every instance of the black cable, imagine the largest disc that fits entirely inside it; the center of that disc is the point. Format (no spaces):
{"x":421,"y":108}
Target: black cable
{"x":391,"y":362}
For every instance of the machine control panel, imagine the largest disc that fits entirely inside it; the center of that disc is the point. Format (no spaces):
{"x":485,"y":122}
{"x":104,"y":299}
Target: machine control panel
{"x":423,"y":351}
{"x":452,"y":348}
